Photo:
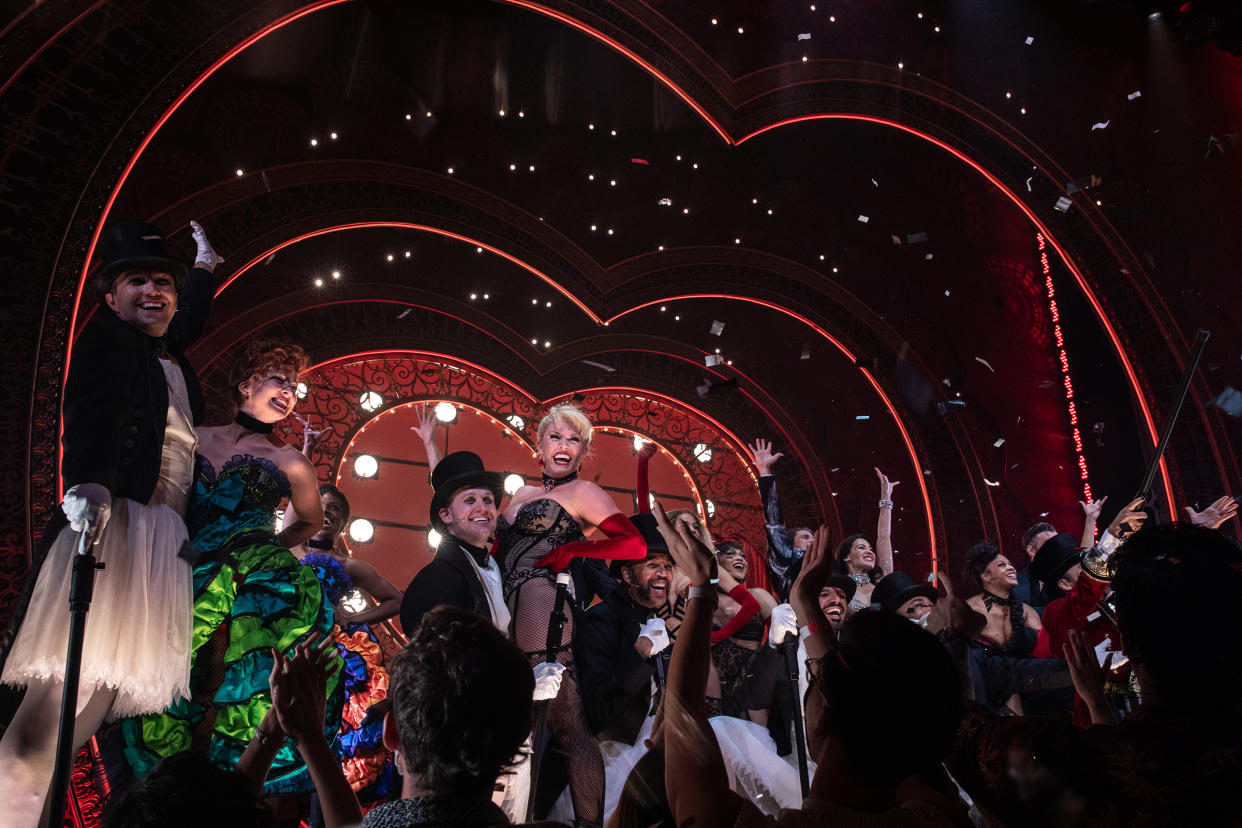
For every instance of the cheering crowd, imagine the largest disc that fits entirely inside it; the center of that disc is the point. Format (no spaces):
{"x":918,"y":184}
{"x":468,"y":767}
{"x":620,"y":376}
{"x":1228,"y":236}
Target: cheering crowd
{"x":636,"y":679}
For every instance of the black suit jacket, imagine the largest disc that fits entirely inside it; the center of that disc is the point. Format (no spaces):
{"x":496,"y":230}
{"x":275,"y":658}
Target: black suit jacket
{"x":448,"y":579}
{"x":615,"y":679}
{"x":116,"y":396}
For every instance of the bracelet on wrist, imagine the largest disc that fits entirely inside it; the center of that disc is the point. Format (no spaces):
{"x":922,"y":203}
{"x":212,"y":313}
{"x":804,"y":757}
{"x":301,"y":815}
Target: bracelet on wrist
{"x":886,"y":504}
{"x":265,"y":737}
{"x":808,"y":630}
{"x":702,"y":591}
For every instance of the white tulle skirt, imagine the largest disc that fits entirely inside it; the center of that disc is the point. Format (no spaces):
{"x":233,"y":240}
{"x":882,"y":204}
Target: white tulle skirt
{"x":138,"y":628}
{"x":756,"y":771}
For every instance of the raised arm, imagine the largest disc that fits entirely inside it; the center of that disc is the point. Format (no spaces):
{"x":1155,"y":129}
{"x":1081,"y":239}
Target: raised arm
{"x":1091,"y":514}
{"x":804,"y":596}
{"x":594,"y":507}
{"x":694,"y":772}
{"x":426,"y":431}
{"x":781,"y":553}
{"x":884,"y":528}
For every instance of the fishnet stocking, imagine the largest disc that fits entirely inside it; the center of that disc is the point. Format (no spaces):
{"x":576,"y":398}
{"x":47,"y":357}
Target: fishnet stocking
{"x":531,"y":605}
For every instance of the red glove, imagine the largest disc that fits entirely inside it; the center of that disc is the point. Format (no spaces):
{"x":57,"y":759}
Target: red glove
{"x":624,"y":543}
{"x":749,"y":606}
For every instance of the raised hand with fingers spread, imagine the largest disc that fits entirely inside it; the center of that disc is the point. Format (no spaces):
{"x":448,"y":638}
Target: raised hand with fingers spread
{"x":765,"y":458}
{"x":1224,"y":509}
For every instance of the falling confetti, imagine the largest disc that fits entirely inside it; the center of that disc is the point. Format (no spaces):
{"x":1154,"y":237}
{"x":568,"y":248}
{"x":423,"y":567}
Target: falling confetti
{"x":1029,"y":41}
{"x":863,"y":417}
{"x":598,"y":365}
{"x":1135,"y":94}
{"x":1101,"y":125}
{"x":712,"y":360}
{"x":666,"y":202}
{"x":717,"y":328}
{"x":989,"y":482}
{"x":642,"y":161}
{"x":1063,"y":204}
{"x":806,"y":351}
{"x":804,"y":36}
{"x":929,"y":257}
{"x":876,"y":183}
{"x":916,"y":238}
{"x":896,"y":239}
{"x":864,"y":219}
{"x":999,"y":442}
{"x":985,"y":364}
{"x":1028,"y":184}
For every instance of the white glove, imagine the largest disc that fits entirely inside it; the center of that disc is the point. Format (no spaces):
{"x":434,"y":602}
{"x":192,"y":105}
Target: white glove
{"x":655,"y":632}
{"x":87,"y":505}
{"x":547,"y":680}
{"x":782,"y":622}
{"x":206,"y":253}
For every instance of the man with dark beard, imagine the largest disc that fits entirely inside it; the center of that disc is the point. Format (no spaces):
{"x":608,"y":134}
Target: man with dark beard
{"x":618,"y":637}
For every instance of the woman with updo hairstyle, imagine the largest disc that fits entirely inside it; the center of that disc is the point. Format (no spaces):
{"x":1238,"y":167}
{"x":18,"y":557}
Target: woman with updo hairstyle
{"x":540,"y":532}
{"x":859,"y":560}
{"x":251,"y":595}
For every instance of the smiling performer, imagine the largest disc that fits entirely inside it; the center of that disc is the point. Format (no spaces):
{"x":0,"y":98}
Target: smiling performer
{"x":540,"y":533}
{"x":131,"y":402}
{"x":251,"y":594}
{"x":859,"y":560}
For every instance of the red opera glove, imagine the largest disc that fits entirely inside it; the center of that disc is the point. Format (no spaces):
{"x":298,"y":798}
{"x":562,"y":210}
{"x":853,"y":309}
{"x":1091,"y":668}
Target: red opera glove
{"x":749,"y":605}
{"x":624,"y":543}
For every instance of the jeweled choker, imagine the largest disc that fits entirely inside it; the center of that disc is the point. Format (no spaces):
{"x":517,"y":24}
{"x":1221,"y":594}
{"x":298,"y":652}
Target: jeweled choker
{"x":550,"y":482}
{"x":861,"y":578}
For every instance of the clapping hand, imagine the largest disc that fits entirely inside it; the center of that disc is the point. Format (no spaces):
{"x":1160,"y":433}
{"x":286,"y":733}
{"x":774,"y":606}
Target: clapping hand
{"x":299,"y":686}
{"x":693,"y":558}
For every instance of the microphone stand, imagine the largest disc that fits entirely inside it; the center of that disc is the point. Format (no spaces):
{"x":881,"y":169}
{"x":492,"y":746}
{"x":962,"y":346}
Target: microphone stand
{"x":81,"y":590}
{"x":556,"y":627}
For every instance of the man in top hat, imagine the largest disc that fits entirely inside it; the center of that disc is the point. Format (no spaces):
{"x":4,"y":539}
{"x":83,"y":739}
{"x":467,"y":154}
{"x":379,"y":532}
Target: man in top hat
{"x":618,"y":636}
{"x":897,"y":592}
{"x":130,"y":406}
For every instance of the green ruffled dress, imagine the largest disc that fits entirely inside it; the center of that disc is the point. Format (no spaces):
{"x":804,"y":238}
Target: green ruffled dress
{"x":250,"y":595}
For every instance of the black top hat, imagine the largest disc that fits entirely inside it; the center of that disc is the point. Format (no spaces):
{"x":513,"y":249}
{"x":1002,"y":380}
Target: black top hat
{"x":460,"y":470}
{"x":895,"y":588}
{"x":844,"y":583}
{"x":1054,"y":559}
{"x":134,"y":245}
{"x":647,"y":527}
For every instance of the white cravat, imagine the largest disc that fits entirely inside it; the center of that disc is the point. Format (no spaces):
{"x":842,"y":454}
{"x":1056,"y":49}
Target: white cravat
{"x":489,"y":578}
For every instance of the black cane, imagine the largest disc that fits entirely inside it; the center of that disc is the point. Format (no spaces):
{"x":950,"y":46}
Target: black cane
{"x":81,"y":588}
{"x":1170,"y":420}
{"x":790,"y":649}
{"x":556,"y":627}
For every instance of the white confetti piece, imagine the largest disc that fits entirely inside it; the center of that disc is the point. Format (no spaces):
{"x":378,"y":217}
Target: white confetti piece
{"x":806,"y":353}
{"x":985,"y":364}
{"x":863,"y":417}
{"x":929,"y":257}
{"x":1043,"y":514}
{"x":712,"y":360}
{"x":835,"y":469}
{"x":1063,"y":204}
{"x":1101,"y":125}
{"x":989,"y":482}
{"x":1028,"y":184}
{"x":946,"y":293}
{"x":1137,"y":93}
{"x":896,"y":239}
{"x":666,"y":202}
{"x":999,"y":442}
{"x":804,"y":36}
{"x":876,"y":183}
{"x":598,"y":365}
{"x":717,"y":328}
{"x":1029,"y":41}
{"x":864,"y":219}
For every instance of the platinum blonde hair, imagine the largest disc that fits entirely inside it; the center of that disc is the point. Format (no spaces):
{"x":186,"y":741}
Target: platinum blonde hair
{"x":568,"y":415}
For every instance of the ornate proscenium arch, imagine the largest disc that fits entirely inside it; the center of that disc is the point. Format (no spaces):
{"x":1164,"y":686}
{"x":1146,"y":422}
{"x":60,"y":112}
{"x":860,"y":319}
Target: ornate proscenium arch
{"x":62,"y":215}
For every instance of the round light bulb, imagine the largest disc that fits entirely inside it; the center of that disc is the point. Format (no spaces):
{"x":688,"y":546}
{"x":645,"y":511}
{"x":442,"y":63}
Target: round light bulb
{"x":513,"y":482}
{"x":366,"y":466}
{"x":446,"y":412}
{"x":433,"y":538}
{"x":361,"y":530}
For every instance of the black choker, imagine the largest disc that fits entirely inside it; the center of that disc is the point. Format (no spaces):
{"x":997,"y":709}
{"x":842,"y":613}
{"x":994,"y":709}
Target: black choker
{"x":320,"y":544}
{"x":992,"y":600}
{"x":550,"y":482}
{"x":250,"y":423}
